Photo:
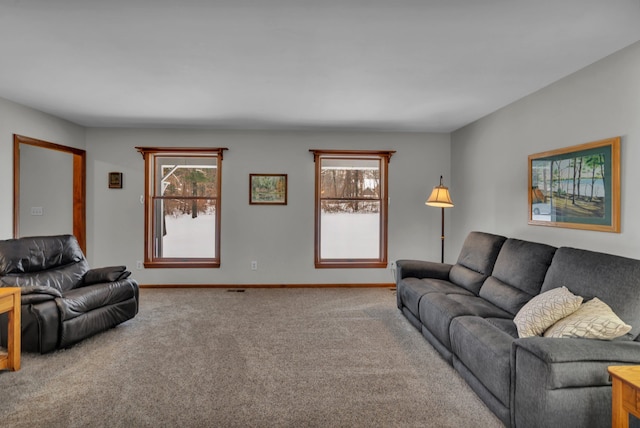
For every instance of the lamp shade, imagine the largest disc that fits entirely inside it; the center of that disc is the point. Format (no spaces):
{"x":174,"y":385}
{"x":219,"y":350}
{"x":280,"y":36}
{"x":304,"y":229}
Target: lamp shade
{"x":440,"y":197}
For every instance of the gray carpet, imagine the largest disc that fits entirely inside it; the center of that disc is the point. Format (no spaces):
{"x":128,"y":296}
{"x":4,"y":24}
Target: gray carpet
{"x":328,"y":357}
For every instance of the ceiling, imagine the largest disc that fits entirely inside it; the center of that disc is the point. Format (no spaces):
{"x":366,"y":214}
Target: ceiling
{"x":401,"y":65}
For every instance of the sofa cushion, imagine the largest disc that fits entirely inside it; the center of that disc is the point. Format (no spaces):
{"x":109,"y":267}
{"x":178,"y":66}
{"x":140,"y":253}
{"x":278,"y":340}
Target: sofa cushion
{"x":518,"y":274}
{"x":62,"y":278}
{"x":613,"y":279}
{"x":485,"y":351}
{"x":544,"y":310}
{"x":81,"y":300}
{"x":504,"y":324}
{"x":38,"y":253}
{"x":50,"y":261}
{"x":438,"y":310}
{"x":411,"y":290}
{"x":593,"y":320}
{"x":476,"y":260}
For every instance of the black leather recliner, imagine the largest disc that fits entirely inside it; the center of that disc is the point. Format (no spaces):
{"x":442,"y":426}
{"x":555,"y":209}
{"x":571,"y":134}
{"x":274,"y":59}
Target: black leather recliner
{"x":63,"y":301}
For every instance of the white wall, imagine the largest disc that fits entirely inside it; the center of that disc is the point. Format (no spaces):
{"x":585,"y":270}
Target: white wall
{"x":489,"y":157}
{"x":17,"y":119}
{"x":280,"y":238}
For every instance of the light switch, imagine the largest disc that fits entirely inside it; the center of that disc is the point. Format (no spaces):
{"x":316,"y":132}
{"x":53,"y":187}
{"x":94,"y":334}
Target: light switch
{"x":37,"y":211}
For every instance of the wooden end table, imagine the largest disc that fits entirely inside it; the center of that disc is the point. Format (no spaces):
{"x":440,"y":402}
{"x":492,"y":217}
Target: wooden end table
{"x":625,"y":394}
{"x":10,"y":304}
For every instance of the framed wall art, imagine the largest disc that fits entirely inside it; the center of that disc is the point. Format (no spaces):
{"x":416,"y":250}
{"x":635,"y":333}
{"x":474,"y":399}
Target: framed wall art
{"x":115,"y":180}
{"x":268,"y":189}
{"x":577,"y":187}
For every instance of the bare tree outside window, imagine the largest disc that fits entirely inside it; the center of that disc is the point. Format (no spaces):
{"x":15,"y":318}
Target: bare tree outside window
{"x":351,"y":208}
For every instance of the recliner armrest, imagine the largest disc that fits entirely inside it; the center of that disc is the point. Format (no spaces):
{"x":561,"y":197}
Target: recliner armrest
{"x":36,"y":293}
{"x":422,"y":269}
{"x":105,"y":274}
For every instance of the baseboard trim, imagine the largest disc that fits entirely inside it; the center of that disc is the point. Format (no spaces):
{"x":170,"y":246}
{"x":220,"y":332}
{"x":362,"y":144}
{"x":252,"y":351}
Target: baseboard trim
{"x":368,"y":285}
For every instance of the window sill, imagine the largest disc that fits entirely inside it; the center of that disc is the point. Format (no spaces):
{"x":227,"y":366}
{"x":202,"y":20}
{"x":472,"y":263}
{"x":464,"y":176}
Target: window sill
{"x":338,"y":264}
{"x":177,"y":263}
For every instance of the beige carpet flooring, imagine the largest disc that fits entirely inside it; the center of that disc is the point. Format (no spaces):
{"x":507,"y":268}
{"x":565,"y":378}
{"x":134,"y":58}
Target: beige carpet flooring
{"x":324,"y":357}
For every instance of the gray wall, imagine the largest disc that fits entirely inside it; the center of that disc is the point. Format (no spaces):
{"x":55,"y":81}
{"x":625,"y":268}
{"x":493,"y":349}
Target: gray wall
{"x":17,"y":119}
{"x":489,"y":157}
{"x":279,"y":238}
{"x":46,"y":181}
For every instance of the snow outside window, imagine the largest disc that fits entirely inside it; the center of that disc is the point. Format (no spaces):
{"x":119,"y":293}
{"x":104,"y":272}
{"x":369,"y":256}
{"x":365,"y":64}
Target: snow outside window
{"x":351,"y":209}
{"x":182,"y":208}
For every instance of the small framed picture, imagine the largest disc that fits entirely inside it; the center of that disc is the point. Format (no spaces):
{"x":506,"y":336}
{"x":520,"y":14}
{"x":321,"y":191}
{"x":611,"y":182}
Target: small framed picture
{"x":115,"y":180}
{"x":268,"y":189}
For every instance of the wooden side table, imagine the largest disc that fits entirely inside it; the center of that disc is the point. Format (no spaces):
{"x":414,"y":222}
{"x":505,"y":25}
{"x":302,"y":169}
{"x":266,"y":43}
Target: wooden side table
{"x":10,"y":304}
{"x":625,"y":394}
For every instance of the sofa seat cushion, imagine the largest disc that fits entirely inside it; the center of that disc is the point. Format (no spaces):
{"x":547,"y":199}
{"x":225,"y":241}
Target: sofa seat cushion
{"x":504,"y":324}
{"x":81,"y":300}
{"x":437,"y":311}
{"x":485,"y":350}
{"x":411,"y":290}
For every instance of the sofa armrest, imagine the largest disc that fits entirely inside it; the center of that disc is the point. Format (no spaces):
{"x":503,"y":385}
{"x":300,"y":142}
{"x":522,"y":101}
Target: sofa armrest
{"x":105,"y":274}
{"x":570,"y":363}
{"x":32,"y":294}
{"x":565,"y":382}
{"x":554,"y":350}
{"x":422,"y":269}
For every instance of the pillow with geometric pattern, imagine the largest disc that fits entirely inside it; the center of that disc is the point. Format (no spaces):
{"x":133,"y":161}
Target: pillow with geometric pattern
{"x":541,"y":312}
{"x":593,"y":320}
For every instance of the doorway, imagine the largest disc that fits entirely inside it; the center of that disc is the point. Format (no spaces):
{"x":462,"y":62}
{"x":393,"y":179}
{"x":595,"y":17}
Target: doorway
{"x":55,"y":196}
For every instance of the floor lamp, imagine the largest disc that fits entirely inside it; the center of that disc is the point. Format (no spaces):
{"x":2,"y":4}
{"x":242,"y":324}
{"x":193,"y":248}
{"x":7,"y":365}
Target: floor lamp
{"x":440,"y":198}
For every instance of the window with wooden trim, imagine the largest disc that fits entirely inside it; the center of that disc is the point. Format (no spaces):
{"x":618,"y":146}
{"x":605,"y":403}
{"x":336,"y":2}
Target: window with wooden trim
{"x":182,"y":206}
{"x":351,"y":205}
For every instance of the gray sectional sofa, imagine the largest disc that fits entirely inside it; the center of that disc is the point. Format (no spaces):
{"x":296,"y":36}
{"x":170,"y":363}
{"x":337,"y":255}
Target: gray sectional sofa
{"x":466,"y":312}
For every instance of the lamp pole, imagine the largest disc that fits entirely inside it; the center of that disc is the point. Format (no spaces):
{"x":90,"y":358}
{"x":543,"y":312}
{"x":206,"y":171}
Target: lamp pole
{"x":440,"y":198}
{"x":442,"y":238}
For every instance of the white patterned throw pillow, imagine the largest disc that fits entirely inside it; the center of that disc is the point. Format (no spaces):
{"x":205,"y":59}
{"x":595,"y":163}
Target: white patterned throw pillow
{"x":593,"y":320}
{"x":544,"y":310}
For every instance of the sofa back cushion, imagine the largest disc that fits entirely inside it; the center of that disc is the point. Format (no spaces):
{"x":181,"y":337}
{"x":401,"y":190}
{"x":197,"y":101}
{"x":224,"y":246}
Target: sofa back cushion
{"x":476,"y":260}
{"x":613,"y":279}
{"x":518,"y":274}
{"x":54,"y":261}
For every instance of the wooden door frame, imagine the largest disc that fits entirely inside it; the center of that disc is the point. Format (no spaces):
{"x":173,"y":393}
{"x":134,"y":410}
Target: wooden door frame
{"x":79,"y":185}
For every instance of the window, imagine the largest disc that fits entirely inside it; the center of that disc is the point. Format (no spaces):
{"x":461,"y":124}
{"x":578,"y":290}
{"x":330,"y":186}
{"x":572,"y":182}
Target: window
{"x":351,"y":208}
{"x":182,"y":206}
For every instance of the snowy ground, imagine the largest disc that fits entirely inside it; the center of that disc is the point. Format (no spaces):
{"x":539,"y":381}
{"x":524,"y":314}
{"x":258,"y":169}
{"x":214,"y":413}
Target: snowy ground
{"x":190,"y":237}
{"x":343,"y":236}
{"x":350,"y":236}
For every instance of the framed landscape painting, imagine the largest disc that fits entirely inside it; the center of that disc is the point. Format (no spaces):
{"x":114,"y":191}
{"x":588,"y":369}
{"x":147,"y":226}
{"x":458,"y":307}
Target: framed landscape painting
{"x":577,"y":187}
{"x":268,"y":189}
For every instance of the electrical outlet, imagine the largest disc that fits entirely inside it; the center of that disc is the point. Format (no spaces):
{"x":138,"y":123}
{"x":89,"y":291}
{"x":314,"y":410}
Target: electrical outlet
{"x":254,"y":265}
{"x":391,"y":265}
{"x":139,"y":265}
